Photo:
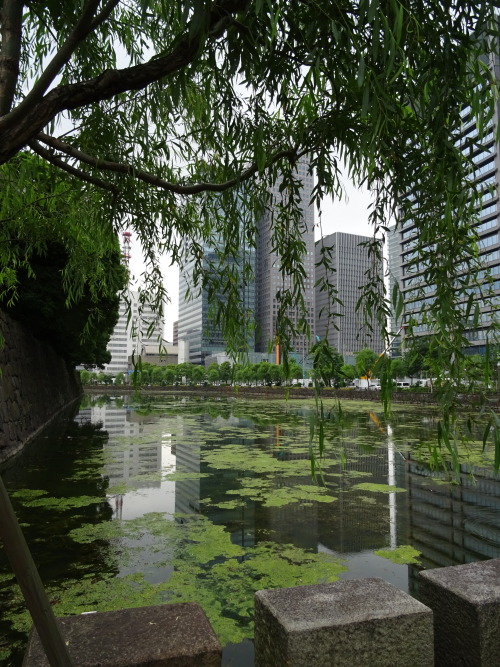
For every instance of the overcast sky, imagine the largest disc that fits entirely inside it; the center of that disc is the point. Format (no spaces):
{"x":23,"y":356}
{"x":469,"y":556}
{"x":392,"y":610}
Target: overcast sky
{"x":350,"y":215}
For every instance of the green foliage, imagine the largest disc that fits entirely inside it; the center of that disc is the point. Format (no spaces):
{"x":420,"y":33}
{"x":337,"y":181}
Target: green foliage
{"x":60,"y":268}
{"x":85,"y":377}
{"x":213,"y":374}
{"x":366,"y":361}
{"x":399,"y":368}
{"x":120,"y":379}
{"x":327,"y":362}
{"x":225,"y":372}
{"x":172,"y":117}
{"x":198,"y":374}
{"x":41,"y":303}
{"x":421,"y":354}
{"x":349,"y":371}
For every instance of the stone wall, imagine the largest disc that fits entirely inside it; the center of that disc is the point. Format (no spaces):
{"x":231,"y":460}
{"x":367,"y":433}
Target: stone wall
{"x":35,"y":385}
{"x":413,"y":398}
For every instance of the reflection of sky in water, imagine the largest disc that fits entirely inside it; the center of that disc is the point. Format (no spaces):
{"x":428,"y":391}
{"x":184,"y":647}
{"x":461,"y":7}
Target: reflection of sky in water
{"x":357,"y":523}
{"x":259,"y":448}
{"x":137,"y":503}
{"x":133,"y":504}
{"x":365,"y":564}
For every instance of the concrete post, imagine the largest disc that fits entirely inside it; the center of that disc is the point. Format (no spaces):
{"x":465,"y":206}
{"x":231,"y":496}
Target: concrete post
{"x":362,"y":623}
{"x":169,"y":635}
{"x":465,"y":600}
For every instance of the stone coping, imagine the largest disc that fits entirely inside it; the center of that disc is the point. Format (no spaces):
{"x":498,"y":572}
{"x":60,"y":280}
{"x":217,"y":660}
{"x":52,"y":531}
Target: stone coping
{"x":173,"y":635}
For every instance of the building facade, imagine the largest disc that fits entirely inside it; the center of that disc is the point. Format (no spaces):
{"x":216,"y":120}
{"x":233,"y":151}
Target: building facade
{"x":394,"y":278}
{"x":175,"y":333}
{"x":348,"y":265}
{"x":269,"y":280}
{"x":197,"y":334}
{"x":418,"y":294}
{"x":131,"y":335}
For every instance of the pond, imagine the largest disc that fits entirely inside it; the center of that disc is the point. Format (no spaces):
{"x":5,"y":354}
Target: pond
{"x":144,"y":500}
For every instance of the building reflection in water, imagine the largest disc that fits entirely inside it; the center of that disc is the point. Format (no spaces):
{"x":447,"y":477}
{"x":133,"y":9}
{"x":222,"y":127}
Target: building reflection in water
{"x":448,"y":524}
{"x":137,"y":455}
{"x":239,"y":522}
{"x":452,"y":523}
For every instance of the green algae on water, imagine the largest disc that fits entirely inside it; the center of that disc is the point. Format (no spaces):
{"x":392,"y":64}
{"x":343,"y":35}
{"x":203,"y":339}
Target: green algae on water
{"x":62,"y":504}
{"x":208,"y":568}
{"x":378,"y":488}
{"x":179,"y":475}
{"x":402,"y":555}
{"x":26,"y":495}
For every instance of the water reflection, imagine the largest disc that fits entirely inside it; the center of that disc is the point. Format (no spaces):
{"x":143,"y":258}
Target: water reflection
{"x":63,"y":464}
{"x":448,"y":523}
{"x":245,"y":465}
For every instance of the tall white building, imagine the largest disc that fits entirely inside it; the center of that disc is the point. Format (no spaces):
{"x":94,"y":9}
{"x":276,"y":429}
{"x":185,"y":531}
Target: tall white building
{"x":130,"y":336}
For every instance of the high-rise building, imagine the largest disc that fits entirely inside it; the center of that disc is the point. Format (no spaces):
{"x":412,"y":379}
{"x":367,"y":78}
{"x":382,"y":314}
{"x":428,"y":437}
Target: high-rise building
{"x":130,"y":335}
{"x":418,"y":293}
{"x":395,"y":278}
{"x":138,"y":324}
{"x":348,"y":266}
{"x":198,"y":335}
{"x":199,"y":338}
{"x":268,"y":277}
{"x":175,"y":333}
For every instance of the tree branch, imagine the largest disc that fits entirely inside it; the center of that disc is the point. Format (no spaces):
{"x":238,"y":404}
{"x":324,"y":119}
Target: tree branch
{"x":16,"y":131}
{"x":57,"y":162}
{"x":84,"y":26}
{"x":103,"y":15}
{"x":11,"y":20}
{"x":152,"y":179}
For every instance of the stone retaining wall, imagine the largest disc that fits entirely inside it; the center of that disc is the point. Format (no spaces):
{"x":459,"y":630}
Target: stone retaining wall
{"x":409,"y":397}
{"x":35,"y":385}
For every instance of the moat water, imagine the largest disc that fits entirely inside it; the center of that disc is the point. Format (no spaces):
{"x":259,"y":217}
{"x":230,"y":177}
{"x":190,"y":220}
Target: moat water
{"x":140,"y":501}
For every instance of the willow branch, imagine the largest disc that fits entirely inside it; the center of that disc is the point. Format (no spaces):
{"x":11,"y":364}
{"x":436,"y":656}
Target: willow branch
{"x":86,"y":24}
{"x":31,"y":204}
{"x":81,"y":175}
{"x":17,"y":130}
{"x":11,"y":19}
{"x":152,"y":179}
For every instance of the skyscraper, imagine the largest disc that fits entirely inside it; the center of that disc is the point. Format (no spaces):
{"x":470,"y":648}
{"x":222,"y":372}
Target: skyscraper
{"x":198,"y":336}
{"x":130,"y":334}
{"x":418,"y":293}
{"x":395,"y":278}
{"x":349,"y":263}
{"x":268,"y":277}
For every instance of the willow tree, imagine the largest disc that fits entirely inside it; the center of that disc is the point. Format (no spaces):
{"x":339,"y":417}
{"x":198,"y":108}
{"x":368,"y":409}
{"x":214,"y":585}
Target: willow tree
{"x":160,"y":116}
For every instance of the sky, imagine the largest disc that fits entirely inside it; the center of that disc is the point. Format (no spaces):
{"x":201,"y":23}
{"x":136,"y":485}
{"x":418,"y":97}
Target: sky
{"x":349,"y":215}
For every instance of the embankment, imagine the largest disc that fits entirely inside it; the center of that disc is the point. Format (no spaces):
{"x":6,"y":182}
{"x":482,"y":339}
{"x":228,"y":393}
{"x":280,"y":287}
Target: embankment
{"x":35,"y":385}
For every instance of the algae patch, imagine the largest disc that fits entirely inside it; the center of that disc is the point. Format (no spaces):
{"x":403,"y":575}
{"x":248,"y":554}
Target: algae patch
{"x":208,"y":568}
{"x":402,"y":555}
{"x":378,"y":488}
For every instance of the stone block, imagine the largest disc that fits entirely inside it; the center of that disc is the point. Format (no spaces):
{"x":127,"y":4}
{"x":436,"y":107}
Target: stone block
{"x":173,"y":635}
{"x":358,"y":623}
{"x":465,"y":600}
